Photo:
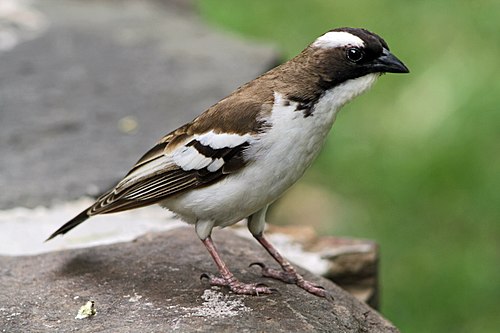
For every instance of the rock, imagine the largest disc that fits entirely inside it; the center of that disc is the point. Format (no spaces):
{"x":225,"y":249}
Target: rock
{"x":153,"y":285}
{"x":86,"y":87}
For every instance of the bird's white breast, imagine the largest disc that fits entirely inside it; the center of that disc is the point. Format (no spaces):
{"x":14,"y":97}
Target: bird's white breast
{"x":277,"y":159}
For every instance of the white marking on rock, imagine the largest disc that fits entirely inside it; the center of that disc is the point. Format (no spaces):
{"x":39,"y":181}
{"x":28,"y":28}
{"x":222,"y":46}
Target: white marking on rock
{"x":217,"y":305}
{"x":334,"y":39}
{"x":135,"y":298}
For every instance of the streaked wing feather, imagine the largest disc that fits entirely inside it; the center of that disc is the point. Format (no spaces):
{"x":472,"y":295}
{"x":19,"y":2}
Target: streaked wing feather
{"x":156,"y":152}
{"x":163,"y":178}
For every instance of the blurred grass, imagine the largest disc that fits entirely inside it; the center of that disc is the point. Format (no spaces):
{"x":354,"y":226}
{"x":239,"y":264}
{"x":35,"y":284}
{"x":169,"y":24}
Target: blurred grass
{"x":416,"y":160}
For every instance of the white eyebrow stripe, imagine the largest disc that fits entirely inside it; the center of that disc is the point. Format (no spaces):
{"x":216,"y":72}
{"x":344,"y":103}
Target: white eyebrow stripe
{"x":334,"y":39}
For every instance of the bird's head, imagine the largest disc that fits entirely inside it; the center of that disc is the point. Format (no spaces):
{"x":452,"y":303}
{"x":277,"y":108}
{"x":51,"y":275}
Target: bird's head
{"x":349,"y":53}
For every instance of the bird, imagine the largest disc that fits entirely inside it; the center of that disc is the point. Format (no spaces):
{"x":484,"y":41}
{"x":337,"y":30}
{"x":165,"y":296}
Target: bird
{"x":241,"y":154}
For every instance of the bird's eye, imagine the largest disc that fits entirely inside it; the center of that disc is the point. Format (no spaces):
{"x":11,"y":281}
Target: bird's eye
{"x":354,"y":54}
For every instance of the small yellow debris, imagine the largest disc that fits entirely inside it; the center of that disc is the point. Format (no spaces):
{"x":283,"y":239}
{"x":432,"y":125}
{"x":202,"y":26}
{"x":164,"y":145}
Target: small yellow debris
{"x":86,"y":311}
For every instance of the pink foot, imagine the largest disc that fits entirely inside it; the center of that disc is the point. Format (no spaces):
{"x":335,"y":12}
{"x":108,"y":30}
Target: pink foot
{"x":238,"y":287}
{"x":293,"y":277}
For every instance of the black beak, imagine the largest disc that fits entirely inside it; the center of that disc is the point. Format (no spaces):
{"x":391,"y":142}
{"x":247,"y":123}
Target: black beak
{"x":388,"y":63}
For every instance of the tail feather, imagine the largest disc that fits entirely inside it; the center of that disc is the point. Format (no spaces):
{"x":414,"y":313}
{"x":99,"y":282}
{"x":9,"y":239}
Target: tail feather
{"x":70,"y":224}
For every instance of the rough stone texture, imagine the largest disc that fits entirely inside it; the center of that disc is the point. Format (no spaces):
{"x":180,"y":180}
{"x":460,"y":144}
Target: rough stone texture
{"x":152,"y":285}
{"x":91,"y":85}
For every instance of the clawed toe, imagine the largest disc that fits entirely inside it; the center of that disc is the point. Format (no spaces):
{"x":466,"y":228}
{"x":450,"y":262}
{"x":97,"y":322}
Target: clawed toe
{"x":261,"y":265}
{"x":250,"y":288}
{"x":236,"y":286}
{"x":329,"y":297}
{"x":272,"y":273}
{"x":205,"y":276}
{"x":314,"y":289}
{"x":292,"y":277}
{"x":261,"y":285}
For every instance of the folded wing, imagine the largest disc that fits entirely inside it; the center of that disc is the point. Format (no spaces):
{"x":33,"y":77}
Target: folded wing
{"x":176,"y":164}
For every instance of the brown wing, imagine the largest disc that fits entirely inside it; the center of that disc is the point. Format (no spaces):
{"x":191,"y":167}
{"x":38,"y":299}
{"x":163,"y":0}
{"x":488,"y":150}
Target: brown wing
{"x":157,"y":176}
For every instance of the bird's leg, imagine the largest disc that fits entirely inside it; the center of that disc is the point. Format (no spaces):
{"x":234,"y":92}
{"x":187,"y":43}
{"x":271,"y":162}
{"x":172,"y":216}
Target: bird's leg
{"x":227,"y":278}
{"x":288,"y":274}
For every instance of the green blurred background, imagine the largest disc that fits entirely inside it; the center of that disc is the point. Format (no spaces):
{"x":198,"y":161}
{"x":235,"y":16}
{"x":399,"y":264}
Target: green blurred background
{"x":414,"y":163}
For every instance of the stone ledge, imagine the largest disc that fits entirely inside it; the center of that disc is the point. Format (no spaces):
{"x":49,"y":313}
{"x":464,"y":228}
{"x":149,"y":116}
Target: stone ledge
{"x":152,"y":285}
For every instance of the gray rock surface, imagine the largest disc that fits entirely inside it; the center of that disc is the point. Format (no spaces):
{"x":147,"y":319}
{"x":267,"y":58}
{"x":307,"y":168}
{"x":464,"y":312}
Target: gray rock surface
{"x":153,"y":285}
{"x":91,"y":85}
